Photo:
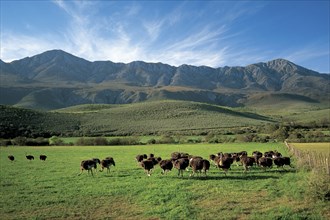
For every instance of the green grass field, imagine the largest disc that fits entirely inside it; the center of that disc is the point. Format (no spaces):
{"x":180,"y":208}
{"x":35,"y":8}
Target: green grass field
{"x":51,"y":189}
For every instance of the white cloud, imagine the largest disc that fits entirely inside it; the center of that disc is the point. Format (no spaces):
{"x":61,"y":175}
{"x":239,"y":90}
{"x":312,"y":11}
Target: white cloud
{"x":117,"y":36}
{"x":153,"y":28}
{"x":111,"y":38}
{"x":133,"y":10}
{"x":15,"y":47}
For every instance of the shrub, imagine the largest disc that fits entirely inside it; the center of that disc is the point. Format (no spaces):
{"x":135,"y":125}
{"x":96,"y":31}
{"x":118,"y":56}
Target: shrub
{"x":85,"y":142}
{"x":130,"y":141}
{"x":194,"y":141}
{"x":40,"y":141}
{"x":100,"y":141}
{"x":152,"y":141}
{"x":54,"y":140}
{"x":5,"y":142}
{"x":245,"y":138}
{"x":124,"y":141}
{"x":214,"y":140}
{"x":269,"y":128}
{"x":209,"y":137}
{"x":20,"y":141}
{"x":166,"y":140}
{"x":281,"y":133}
{"x":114,"y":141}
{"x":229,"y":139}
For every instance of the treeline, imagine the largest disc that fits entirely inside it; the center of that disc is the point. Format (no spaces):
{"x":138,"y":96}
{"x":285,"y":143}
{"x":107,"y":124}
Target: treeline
{"x":247,"y":134}
{"x":23,"y":141}
{"x":270,"y":132}
{"x":90,"y":141}
{"x":102,"y":141}
{"x":133,"y":140}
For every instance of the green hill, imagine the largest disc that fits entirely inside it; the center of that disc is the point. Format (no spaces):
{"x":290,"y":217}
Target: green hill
{"x":282,"y":103}
{"x":126,"y":119}
{"x":143,"y":118}
{"x":320,"y":117}
{"x":161,"y":116}
{"x":31,"y":123}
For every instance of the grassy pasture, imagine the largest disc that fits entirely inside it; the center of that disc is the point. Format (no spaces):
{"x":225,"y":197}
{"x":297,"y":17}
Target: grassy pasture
{"x":307,"y":116}
{"x":160,"y":116}
{"x":51,"y":189}
{"x":323,"y":148}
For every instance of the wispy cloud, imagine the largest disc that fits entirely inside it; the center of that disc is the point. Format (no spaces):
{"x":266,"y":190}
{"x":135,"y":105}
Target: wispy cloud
{"x":130,"y":31}
{"x":153,"y":28}
{"x":306,"y":53}
{"x":309,"y":53}
{"x":18,"y":46}
{"x":94,"y":37}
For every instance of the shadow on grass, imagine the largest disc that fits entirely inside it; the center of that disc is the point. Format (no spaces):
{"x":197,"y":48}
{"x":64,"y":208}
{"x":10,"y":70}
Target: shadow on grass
{"x":260,"y":170}
{"x":281,"y":171}
{"x":228,"y":177}
{"x":255,"y":174}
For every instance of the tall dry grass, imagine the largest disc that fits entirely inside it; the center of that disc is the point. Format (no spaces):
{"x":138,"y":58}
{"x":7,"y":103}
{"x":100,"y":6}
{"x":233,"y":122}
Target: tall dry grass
{"x":319,"y":177}
{"x":310,"y":159}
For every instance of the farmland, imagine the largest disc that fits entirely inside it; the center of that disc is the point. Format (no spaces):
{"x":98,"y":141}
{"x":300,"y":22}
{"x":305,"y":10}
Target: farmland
{"x":323,"y":148}
{"x":51,"y":189}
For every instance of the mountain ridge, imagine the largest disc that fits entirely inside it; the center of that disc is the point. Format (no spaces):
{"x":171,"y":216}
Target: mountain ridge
{"x":68,"y":80}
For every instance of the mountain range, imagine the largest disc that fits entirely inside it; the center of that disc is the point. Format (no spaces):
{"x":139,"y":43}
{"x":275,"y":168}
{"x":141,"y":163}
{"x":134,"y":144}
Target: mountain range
{"x":56,"y":79}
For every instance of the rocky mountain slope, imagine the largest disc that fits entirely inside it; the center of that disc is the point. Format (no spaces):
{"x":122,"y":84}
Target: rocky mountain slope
{"x":56,"y":79}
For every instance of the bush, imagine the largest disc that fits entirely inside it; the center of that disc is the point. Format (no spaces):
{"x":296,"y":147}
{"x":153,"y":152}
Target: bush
{"x":23,"y":141}
{"x":209,"y":137}
{"x":85,"y":142}
{"x":152,"y":141}
{"x":214,"y":140}
{"x":194,"y":141}
{"x":40,"y":141}
{"x":100,"y":141}
{"x":5,"y":142}
{"x":166,"y":140}
{"x":54,"y":140}
{"x":20,"y":141}
{"x":281,"y":133}
{"x":229,"y":139}
{"x":124,"y":141}
{"x":246,"y":138}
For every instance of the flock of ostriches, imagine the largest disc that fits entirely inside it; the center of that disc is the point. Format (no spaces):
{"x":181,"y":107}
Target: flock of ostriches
{"x":29,"y":157}
{"x":182,"y":161}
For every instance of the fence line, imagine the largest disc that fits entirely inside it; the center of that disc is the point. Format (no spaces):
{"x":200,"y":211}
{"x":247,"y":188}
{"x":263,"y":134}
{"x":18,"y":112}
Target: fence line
{"x":311,"y":159}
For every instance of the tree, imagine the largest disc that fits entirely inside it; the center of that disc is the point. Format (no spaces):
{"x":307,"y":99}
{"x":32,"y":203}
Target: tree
{"x":54,"y":140}
{"x":281,"y":133}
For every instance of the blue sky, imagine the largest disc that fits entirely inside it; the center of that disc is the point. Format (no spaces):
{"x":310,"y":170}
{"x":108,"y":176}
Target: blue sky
{"x":211,"y":33}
